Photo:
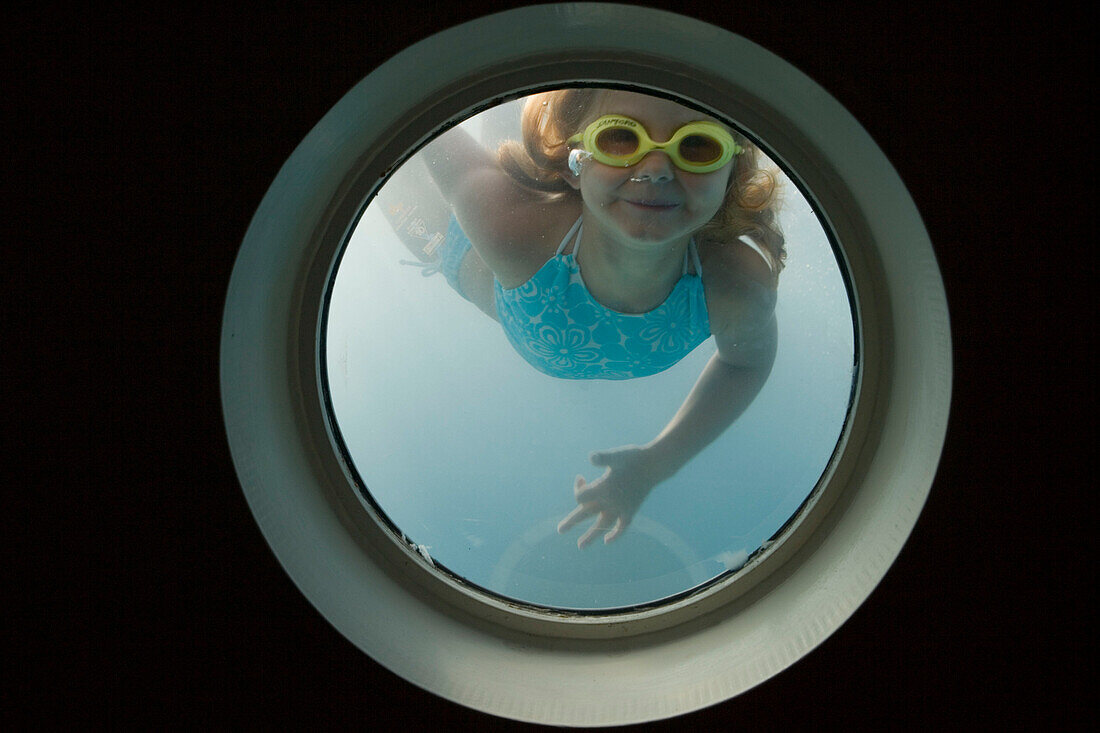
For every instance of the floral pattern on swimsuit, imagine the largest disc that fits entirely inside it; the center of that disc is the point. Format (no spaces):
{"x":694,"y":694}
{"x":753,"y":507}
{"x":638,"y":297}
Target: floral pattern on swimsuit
{"x":556,"y":325}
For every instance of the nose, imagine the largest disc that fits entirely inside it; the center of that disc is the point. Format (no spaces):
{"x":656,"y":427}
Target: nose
{"x":656,"y":166}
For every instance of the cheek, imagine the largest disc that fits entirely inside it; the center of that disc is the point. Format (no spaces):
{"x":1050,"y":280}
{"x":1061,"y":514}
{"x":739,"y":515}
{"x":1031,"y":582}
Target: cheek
{"x":708,"y":192}
{"x":601,"y":183}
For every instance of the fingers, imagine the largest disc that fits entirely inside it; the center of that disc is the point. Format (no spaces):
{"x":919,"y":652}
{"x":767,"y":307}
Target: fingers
{"x":599,"y":458}
{"x":586,"y":493}
{"x":616,"y":531}
{"x":581,"y":512}
{"x":598,"y":526}
{"x":578,"y":486}
{"x":599,"y":497}
{"x":608,"y":457}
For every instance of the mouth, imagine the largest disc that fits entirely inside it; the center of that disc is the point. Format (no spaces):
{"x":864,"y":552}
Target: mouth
{"x":654,"y":205}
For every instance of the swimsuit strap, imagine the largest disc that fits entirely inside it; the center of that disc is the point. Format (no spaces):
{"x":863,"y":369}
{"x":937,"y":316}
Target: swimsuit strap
{"x":751,"y":244}
{"x":695,"y":257}
{"x":576,"y":228}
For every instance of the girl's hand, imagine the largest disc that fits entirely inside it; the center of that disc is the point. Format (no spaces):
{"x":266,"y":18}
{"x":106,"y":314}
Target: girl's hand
{"x":631,"y":474}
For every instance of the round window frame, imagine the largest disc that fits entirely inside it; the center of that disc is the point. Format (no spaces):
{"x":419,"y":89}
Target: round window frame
{"x":654,"y":662}
{"x":529,"y":617}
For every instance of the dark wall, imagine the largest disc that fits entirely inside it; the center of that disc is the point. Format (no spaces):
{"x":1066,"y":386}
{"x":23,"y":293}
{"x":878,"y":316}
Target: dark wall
{"x":143,"y":141}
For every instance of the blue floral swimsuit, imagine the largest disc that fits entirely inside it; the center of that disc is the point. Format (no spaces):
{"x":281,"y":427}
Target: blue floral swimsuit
{"x":555,"y":324}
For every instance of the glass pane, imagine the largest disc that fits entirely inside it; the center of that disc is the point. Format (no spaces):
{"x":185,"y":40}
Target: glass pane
{"x":469,"y":432}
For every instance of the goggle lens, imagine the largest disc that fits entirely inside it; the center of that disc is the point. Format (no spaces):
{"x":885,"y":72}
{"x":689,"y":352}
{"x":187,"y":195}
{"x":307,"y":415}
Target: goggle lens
{"x":618,"y":142}
{"x":700,"y":149}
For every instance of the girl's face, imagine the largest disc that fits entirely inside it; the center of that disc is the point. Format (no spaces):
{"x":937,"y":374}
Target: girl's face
{"x":652,"y":201}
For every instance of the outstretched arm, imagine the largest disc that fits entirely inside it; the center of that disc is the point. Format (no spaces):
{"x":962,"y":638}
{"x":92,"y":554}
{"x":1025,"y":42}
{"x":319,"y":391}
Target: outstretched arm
{"x":416,"y":210}
{"x":728,"y":385}
{"x":505,"y":222}
{"x":412,"y":199}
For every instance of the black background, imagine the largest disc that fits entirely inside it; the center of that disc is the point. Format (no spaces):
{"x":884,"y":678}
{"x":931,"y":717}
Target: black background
{"x":138,"y":145}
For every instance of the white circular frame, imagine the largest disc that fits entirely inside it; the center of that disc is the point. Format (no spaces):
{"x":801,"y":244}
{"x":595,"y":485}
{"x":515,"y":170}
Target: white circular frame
{"x":588,"y":669}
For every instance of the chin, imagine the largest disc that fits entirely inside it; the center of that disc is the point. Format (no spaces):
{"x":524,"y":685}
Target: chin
{"x":655,"y":235}
{"x":655,"y":228}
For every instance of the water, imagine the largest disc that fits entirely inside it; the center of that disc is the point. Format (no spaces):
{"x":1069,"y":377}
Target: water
{"x":472,"y":453}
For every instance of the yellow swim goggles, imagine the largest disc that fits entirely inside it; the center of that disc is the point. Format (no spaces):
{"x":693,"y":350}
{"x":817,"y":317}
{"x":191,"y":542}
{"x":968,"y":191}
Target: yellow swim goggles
{"x":697,"y":147}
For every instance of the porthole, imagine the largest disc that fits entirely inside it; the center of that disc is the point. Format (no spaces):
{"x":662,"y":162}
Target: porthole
{"x":380,"y":493}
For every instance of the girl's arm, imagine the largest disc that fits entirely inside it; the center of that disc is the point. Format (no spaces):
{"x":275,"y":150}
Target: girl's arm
{"x":455,"y":160}
{"x":728,"y":385}
{"x":504,"y":221}
{"x":455,"y":157}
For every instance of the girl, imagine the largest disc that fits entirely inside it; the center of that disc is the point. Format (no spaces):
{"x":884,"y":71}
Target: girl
{"x":624,"y":231}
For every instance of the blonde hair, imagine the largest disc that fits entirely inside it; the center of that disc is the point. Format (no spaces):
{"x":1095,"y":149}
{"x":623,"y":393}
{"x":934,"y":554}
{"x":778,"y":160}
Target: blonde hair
{"x":540,"y":162}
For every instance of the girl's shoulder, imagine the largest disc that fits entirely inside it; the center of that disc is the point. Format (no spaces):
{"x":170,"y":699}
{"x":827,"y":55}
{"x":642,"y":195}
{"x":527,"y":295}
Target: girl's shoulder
{"x":739,"y":283}
{"x":516,"y":238}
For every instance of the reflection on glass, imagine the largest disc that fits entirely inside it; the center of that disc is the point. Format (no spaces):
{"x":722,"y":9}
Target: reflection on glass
{"x":612,"y":269}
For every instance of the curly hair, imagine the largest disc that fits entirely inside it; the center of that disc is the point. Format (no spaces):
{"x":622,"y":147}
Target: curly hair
{"x":540,"y":163}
